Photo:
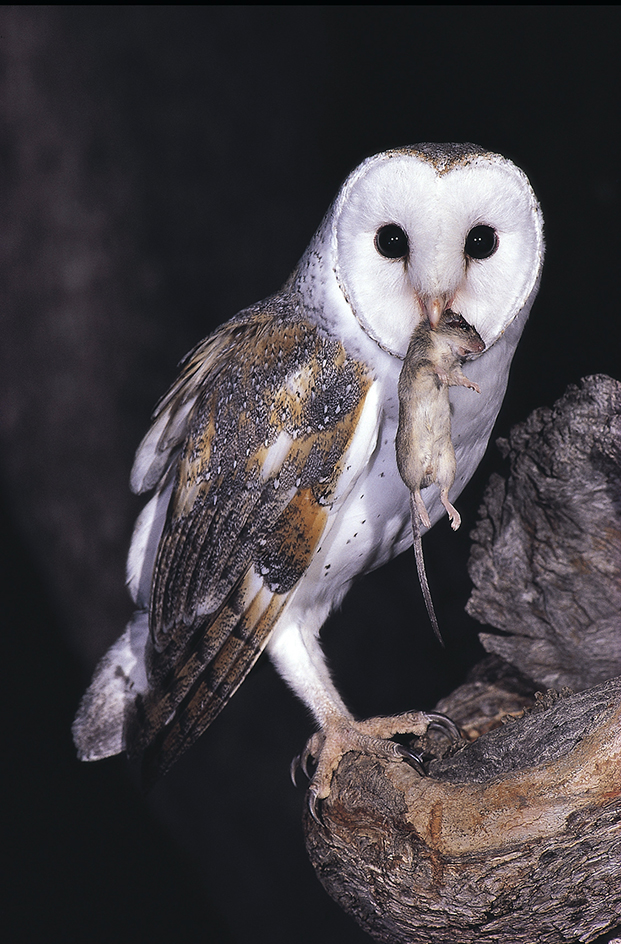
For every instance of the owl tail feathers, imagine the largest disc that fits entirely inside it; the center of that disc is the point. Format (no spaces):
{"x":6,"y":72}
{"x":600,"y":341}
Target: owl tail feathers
{"x":99,"y":726}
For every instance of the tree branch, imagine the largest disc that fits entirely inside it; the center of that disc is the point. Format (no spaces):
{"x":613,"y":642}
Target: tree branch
{"x":546,"y":557}
{"x":517,"y":836}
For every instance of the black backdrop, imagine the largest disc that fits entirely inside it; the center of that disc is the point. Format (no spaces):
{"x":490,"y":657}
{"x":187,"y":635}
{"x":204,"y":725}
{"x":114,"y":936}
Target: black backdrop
{"x":161,"y":168}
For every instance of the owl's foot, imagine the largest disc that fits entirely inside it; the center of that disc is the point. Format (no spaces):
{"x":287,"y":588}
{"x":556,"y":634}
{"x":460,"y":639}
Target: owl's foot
{"x":327,"y":747}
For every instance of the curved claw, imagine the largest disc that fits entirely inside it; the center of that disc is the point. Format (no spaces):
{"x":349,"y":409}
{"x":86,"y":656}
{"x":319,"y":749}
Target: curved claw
{"x":304,"y":757}
{"x":413,"y":758}
{"x":440,"y":722}
{"x":313,"y":808}
{"x":300,"y":762}
{"x":294,"y":766}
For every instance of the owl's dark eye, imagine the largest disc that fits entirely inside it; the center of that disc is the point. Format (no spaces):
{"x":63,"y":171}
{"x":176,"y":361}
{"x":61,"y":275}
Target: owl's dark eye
{"x":391,"y":241}
{"x":481,"y":242}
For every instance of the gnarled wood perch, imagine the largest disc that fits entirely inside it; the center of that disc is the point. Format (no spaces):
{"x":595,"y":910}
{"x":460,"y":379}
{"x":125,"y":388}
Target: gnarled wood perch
{"x":516,"y":837}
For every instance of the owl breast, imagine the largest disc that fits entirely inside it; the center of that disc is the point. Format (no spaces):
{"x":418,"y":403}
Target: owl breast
{"x":369,"y":521}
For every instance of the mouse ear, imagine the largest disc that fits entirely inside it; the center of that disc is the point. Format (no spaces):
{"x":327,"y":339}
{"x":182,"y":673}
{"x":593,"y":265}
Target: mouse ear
{"x":452,"y":319}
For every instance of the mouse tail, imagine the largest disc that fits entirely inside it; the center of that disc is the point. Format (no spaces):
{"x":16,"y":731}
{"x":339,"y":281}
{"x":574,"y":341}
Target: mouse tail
{"x":420,"y":567}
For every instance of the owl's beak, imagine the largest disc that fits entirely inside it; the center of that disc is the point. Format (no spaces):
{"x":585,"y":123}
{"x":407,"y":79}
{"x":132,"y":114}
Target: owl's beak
{"x":433,"y":309}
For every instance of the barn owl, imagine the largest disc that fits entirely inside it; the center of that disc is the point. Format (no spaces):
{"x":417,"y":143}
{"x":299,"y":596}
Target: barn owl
{"x":272,"y":458}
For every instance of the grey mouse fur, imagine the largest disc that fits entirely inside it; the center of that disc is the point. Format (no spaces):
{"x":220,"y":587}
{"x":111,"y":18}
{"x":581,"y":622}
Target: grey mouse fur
{"x":425,"y":452}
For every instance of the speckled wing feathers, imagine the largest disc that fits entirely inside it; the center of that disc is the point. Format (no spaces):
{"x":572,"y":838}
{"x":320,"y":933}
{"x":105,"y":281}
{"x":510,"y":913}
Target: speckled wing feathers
{"x":277,"y":407}
{"x":170,"y":417}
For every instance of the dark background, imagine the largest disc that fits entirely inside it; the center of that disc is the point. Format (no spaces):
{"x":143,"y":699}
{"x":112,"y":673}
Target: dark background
{"x":161,"y":168}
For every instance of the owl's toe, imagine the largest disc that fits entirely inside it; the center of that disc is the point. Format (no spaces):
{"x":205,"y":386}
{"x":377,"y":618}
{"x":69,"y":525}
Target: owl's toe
{"x":312,"y":749}
{"x":443,"y":724}
{"x":372,"y":736}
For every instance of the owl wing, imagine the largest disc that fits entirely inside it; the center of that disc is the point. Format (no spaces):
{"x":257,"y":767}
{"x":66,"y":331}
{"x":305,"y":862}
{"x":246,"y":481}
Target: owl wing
{"x":267,"y":409}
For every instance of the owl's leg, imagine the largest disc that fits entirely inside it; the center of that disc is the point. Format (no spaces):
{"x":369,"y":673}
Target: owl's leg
{"x":300,"y":660}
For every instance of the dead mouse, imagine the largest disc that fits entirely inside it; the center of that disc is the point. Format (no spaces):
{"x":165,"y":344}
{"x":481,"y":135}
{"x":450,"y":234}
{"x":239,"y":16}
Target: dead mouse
{"x":425,"y":452}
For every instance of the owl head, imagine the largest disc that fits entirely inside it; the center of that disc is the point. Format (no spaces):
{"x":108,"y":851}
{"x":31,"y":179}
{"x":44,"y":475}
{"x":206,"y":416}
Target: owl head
{"x":414,"y":231}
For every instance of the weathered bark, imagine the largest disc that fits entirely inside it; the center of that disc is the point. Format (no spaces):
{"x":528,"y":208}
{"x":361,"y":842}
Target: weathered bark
{"x":546,"y":559}
{"x":516,"y":837}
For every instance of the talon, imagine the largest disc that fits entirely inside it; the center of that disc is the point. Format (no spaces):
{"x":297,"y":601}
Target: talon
{"x":304,"y":762}
{"x":440,"y":722}
{"x":294,"y":766}
{"x":413,"y":758}
{"x":313,"y":809}
{"x":300,"y":762}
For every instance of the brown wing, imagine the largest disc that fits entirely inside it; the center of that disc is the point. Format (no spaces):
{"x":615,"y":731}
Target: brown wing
{"x":254,"y":481}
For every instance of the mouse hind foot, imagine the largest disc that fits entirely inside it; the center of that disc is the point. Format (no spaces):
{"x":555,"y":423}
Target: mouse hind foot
{"x":454,"y":516}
